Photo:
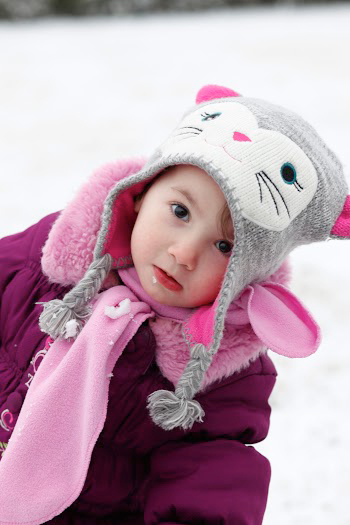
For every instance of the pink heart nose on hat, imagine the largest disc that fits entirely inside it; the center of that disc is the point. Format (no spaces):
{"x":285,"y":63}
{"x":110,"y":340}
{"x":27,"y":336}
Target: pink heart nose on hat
{"x":240,"y":137}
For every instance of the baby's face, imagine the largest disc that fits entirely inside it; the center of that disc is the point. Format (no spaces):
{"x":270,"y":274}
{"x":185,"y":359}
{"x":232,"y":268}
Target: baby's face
{"x":177,"y":243}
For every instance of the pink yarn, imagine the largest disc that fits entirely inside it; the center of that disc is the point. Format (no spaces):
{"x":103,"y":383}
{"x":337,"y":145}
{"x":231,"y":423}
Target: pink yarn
{"x":342,"y":225}
{"x":211,"y":92}
{"x":240,"y":137}
{"x":201,"y":324}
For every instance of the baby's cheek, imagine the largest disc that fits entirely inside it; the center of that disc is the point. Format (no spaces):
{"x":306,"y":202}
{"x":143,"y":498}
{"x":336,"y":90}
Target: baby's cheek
{"x":137,"y":244}
{"x":218,"y":272}
{"x":210,"y":283}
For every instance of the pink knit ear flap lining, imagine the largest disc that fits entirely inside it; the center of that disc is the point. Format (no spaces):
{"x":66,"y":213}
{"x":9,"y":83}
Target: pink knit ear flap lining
{"x":342,"y":225}
{"x":211,"y":92}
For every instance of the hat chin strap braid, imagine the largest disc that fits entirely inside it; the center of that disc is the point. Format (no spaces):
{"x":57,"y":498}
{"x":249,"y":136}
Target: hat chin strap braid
{"x":74,"y":308}
{"x":168,"y":409}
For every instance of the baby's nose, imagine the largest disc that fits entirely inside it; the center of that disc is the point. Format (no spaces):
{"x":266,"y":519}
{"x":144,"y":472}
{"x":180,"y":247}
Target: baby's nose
{"x":240,"y":137}
{"x":185,"y":254}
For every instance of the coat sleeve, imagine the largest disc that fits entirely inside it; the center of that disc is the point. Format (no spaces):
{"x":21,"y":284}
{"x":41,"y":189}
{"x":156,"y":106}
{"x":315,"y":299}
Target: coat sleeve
{"x":21,"y":249}
{"x":22,"y":285}
{"x":214,"y":476}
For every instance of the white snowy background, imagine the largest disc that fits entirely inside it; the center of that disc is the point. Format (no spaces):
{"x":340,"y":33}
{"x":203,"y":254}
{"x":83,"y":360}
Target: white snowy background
{"x":76,"y":93}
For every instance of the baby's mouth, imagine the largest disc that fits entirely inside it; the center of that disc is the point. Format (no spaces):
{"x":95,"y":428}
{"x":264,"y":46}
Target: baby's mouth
{"x":166,"y":280}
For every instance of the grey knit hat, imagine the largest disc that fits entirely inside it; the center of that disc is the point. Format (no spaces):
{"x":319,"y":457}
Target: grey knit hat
{"x":283,"y":186}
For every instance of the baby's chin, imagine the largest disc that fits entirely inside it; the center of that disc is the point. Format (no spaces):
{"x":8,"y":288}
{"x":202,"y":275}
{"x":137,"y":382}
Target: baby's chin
{"x":179,"y":299}
{"x":162,"y":296}
{"x":169,"y":298}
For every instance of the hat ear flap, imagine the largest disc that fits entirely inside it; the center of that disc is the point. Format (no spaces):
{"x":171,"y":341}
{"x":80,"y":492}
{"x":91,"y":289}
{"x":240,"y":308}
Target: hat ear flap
{"x":211,"y":92}
{"x":341,"y":229}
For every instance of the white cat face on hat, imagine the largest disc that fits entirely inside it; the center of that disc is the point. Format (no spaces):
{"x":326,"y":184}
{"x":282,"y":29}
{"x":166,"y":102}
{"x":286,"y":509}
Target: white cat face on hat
{"x":271,"y":176}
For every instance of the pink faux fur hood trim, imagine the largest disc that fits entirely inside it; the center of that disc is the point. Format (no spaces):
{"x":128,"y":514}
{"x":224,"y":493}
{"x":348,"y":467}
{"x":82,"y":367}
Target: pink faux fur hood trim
{"x":238,"y":348}
{"x":69,"y":251}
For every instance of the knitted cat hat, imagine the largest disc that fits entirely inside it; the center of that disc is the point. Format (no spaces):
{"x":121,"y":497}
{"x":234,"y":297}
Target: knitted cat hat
{"x":284,"y":188}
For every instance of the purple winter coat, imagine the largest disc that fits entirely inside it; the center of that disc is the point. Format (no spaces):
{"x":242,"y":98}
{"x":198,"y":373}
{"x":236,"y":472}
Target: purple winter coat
{"x":139,"y":473}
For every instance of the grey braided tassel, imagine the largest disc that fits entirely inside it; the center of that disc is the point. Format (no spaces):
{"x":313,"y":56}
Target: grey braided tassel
{"x":168,"y":409}
{"x":74,"y":307}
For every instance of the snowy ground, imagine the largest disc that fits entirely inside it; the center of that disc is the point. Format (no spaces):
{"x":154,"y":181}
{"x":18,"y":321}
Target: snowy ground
{"x":77,"y":93}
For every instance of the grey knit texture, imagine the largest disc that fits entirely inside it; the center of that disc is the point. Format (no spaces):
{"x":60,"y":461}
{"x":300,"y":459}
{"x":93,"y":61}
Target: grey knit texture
{"x":75,"y":305}
{"x":169,"y":410}
{"x":257,"y":253}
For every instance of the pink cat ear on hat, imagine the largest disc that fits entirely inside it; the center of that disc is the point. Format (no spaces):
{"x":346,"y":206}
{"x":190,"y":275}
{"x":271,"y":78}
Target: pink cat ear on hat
{"x":342,"y":226}
{"x":280,"y":321}
{"x":211,"y":92}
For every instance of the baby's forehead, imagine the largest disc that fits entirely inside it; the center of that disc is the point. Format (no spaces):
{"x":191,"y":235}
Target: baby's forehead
{"x":200,"y":190}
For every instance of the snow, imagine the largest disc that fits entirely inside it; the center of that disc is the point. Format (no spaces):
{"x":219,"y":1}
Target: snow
{"x":114,"y":312}
{"x":71,"y":328}
{"x":76,"y":93}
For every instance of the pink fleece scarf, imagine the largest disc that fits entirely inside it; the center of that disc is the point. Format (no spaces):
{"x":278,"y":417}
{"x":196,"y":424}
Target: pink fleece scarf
{"x":66,"y":405}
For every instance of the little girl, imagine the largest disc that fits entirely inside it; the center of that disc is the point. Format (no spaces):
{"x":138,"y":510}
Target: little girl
{"x":161,"y":287}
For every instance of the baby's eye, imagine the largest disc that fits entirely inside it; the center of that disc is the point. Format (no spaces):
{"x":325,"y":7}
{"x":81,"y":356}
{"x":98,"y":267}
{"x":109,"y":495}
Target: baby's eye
{"x":224,"y":246}
{"x":180,"y":212}
{"x":209,"y":116}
